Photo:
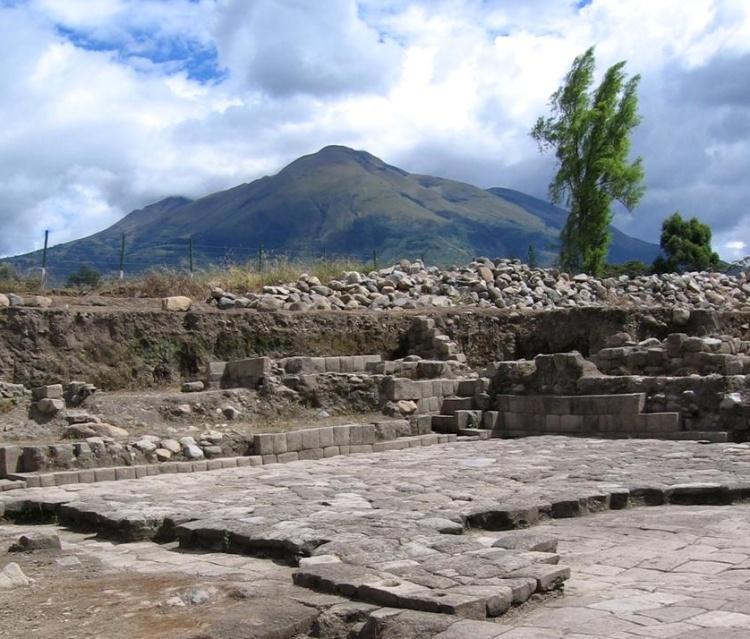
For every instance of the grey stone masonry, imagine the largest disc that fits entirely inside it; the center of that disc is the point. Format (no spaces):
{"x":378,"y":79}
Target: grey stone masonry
{"x":246,"y":372}
{"x":599,"y":415}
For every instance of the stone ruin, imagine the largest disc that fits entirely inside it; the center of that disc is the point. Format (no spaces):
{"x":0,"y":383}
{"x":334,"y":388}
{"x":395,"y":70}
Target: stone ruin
{"x":681,"y":387}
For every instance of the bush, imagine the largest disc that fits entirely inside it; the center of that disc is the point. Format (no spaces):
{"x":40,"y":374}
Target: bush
{"x":85,"y":277}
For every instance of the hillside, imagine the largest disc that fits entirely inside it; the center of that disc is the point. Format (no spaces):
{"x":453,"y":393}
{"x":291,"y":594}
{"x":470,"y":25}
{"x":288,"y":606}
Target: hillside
{"x":337,"y":202}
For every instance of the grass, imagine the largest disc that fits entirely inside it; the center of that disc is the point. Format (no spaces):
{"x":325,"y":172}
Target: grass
{"x":247,"y":278}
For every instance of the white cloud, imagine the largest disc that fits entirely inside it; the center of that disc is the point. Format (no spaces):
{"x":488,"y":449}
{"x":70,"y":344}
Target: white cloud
{"x":109,"y":106}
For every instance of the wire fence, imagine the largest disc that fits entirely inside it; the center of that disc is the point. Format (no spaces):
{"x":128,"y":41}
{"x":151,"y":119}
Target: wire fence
{"x":55,"y":264}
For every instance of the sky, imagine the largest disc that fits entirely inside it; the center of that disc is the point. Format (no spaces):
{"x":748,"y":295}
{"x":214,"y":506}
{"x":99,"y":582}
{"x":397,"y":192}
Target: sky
{"x":109,"y":105}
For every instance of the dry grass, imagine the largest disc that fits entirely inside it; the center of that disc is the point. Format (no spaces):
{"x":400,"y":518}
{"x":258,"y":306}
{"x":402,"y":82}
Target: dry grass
{"x":236,"y":278}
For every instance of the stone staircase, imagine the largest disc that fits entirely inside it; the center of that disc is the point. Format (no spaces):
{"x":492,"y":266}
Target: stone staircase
{"x":607,"y":416}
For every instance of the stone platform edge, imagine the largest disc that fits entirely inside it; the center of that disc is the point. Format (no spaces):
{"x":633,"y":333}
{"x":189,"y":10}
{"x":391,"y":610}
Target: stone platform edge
{"x":116,"y":473}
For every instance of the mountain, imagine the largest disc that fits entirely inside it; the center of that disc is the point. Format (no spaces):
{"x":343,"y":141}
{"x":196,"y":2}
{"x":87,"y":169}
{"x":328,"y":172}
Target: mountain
{"x":337,"y":202}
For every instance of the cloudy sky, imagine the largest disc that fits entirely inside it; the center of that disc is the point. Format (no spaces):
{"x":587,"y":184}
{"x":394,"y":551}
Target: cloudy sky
{"x":109,"y":105}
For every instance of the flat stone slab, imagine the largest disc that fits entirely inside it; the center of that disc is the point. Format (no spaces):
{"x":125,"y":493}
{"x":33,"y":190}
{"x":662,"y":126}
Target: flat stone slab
{"x":388,"y":522}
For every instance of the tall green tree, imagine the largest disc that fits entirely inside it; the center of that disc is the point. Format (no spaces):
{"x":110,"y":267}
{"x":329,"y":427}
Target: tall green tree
{"x":589,"y":131}
{"x":687,"y":244}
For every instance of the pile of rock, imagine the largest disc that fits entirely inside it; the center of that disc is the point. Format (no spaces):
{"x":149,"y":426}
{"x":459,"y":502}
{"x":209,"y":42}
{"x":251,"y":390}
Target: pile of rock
{"x":486,"y":283}
{"x":50,"y":399}
{"x":677,"y":355}
{"x":13,"y":391}
{"x":110,"y":451}
{"x":32,"y":301}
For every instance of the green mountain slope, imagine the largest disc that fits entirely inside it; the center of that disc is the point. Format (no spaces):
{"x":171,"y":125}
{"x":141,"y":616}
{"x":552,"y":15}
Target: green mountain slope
{"x":337,"y":201}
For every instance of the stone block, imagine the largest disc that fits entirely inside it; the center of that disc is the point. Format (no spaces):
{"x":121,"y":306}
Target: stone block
{"x":311,"y":454}
{"x":344,"y":450}
{"x":168,"y":468}
{"x":447,"y":387}
{"x":184,"y":467}
{"x":293,"y":441}
{"x":214,"y":372}
{"x":355,"y":435}
{"x":246,"y":372}
{"x":176,"y":303}
{"x":346,"y":365}
{"x":468,"y":387}
{"x":547,"y":577}
{"x":35,"y":458}
{"x":332,"y":364}
{"x":326,"y":436}
{"x":104,"y":474}
{"x":699,"y":494}
{"x":341,"y":435}
{"x":369,"y":434}
{"x":552,"y":423}
{"x":423,"y":425}
{"x":11,"y":460}
{"x":468,"y":419}
{"x":49,"y":406}
{"x":279,"y":444}
{"x":331,"y":451}
{"x":142,"y":471}
{"x":397,"y":388}
{"x":251,"y":460}
{"x":658,"y":423}
{"x":228,"y":462}
{"x":310,"y":438}
{"x":285,"y":458}
{"x":86,"y":476}
{"x":299,"y":365}
{"x":196,"y":467}
{"x":491,"y":420}
{"x":444,"y":424}
{"x":124,"y":472}
{"x":571,"y":424}
{"x":213,"y":464}
{"x":263,"y":444}
{"x":50,"y":391}
{"x":269,"y":459}
{"x":364,"y":448}
{"x":65,"y":477}
{"x":318,"y":364}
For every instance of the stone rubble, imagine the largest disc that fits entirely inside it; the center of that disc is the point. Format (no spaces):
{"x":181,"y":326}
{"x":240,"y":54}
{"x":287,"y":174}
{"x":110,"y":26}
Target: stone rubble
{"x":499,"y":283}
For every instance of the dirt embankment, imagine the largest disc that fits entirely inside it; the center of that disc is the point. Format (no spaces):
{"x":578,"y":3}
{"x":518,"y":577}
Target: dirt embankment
{"x":130,"y":348}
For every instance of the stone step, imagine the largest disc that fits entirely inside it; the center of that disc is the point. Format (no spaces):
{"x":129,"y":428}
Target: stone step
{"x":116,"y":473}
{"x":452,"y":404}
{"x":444,"y":424}
{"x":682,"y":435}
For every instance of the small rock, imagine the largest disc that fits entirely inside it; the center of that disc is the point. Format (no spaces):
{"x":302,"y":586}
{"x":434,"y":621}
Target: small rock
{"x":170,"y":445}
{"x":193,"y":451}
{"x":37,"y":541}
{"x":49,"y":406}
{"x":38,"y":301}
{"x":177,"y":303}
{"x":192,"y":387}
{"x":680,"y":316}
{"x":12,"y":577}
{"x":230,"y":412}
{"x":406,"y":407}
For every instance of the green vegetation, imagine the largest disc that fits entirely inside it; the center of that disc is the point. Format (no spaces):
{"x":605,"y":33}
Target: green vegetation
{"x":85,"y":277}
{"x":633,"y":268}
{"x":687,"y":244}
{"x":590,"y":134}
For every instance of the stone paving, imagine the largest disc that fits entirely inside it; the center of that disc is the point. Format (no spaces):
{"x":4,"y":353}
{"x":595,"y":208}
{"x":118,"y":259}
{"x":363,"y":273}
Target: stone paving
{"x":383,"y":528}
